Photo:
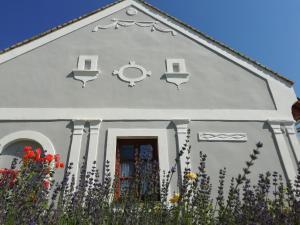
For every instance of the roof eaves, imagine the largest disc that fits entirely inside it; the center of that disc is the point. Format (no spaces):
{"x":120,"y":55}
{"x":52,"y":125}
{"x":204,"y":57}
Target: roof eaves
{"x":26,"y":41}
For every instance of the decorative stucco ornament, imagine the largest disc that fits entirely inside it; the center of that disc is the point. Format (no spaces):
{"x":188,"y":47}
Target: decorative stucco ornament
{"x":132,"y":81}
{"x":177,"y":78}
{"x":84,"y":76}
{"x":127,"y":23}
{"x":87,"y":69}
{"x":176,"y":72}
{"x":235,"y":137}
{"x":131,"y":11}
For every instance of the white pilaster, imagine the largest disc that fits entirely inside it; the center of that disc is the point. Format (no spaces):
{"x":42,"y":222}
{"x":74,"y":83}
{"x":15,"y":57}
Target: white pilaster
{"x":181,"y":134}
{"x":93,"y":144}
{"x":292,"y":135}
{"x":283,"y":149}
{"x":78,"y":127}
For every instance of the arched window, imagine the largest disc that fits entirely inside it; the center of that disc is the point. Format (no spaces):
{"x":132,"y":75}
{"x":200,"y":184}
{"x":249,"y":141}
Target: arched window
{"x":11,"y":146}
{"x":15,"y":150}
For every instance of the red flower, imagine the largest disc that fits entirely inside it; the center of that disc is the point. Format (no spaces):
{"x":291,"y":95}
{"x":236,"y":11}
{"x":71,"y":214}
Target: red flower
{"x":41,"y":159}
{"x":38,"y":154}
{"x":37,"y":157}
{"x":46,"y":184}
{"x":49,"y":158}
{"x":59,"y":165}
{"x":27,"y":148}
{"x":25,"y":158}
{"x":57,"y":157}
{"x":39,"y":151}
{"x":30,"y":154}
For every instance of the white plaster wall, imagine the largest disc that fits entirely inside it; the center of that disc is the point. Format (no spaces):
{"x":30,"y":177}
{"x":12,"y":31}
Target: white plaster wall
{"x":42,"y":77}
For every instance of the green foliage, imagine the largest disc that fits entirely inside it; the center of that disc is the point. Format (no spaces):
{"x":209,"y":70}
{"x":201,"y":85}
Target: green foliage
{"x":269,"y":201}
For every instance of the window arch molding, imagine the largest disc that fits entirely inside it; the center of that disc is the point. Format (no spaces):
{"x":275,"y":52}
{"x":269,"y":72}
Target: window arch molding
{"x":27,"y":135}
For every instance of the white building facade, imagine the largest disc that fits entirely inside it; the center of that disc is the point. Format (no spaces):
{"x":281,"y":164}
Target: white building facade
{"x":129,"y":77}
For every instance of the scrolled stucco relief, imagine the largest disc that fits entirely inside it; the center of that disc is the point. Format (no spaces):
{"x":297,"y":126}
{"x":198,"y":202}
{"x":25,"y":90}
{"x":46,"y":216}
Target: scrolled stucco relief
{"x":122,"y":76}
{"x":208,"y":136}
{"x":131,"y":11}
{"x":127,"y":23}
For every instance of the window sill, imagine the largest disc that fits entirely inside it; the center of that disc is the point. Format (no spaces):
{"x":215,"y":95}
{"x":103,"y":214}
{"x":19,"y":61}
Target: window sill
{"x":177,"y":78}
{"x":85,"y":75}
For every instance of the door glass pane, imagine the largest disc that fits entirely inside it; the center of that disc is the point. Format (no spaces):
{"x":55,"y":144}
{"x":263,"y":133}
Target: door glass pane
{"x":146,"y":152}
{"x":125,"y":186}
{"x":144,"y":187}
{"x":127,"y":152}
{"x":127,"y":169}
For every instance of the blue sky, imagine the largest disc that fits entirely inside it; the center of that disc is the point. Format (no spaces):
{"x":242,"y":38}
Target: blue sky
{"x":265,"y":30}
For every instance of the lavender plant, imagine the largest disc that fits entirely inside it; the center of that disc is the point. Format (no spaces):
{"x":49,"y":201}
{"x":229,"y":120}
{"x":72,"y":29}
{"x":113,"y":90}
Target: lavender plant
{"x":94,"y":201}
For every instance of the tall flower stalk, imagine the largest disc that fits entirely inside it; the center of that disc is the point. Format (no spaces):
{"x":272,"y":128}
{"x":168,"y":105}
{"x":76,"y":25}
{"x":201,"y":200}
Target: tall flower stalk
{"x":29,"y":195}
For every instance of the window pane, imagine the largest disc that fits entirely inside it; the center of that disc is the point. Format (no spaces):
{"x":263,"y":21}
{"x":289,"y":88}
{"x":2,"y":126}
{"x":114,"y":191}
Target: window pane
{"x":127,"y":169}
{"x":144,"y":187}
{"x":146,"y":152}
{"x":127,"y":152}
{"x":125,"y":186}
{"x":176,"y":68}
{"x":87,"y":64}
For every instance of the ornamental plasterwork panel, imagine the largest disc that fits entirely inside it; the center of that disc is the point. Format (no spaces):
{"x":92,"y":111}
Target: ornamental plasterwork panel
{"x":131,"y":11}
{"x":235,"y":137}
{"x":122,"y":75}
{"x":176,"y":72}
{"x":87,"y":69}
{"x":154,"y":25}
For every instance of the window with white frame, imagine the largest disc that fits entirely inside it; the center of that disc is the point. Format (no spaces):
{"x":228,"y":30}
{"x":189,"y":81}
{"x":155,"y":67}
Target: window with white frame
{"x":137,"y":169}
{"x":176,"y":66}
{"x":131,"y":154}
{"x":87,"y":62}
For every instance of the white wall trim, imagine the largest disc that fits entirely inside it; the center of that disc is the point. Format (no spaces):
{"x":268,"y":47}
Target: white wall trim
{"x":93,"y":144}
{"x":162,"y":141}
{"x":293,"y":139}
{"x":181,"y":134}
{"x":285,"y":155}
{"x":27,"y":135}
{"x":33,"y":114}
{"x":74,"y":156}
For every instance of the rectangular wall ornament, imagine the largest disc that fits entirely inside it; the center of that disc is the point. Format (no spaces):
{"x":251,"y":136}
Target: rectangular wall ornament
{"x":232,"y":137}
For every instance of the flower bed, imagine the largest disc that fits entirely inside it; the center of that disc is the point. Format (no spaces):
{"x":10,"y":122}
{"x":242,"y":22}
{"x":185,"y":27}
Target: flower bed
{"x":30,"y":196}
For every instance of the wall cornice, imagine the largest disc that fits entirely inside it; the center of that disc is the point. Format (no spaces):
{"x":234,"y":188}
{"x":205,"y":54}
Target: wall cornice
{"x":122,"y":114}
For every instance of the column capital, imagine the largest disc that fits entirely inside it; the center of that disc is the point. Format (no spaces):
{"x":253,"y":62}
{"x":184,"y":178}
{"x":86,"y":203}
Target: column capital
{"x":95,"y":126}
{"x":78,"y":126}
{"x":181,"y":126}
{"x":290,"y":129}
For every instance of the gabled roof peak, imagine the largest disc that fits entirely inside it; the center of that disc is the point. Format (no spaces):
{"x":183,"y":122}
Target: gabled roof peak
{"x":173,"y":20}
